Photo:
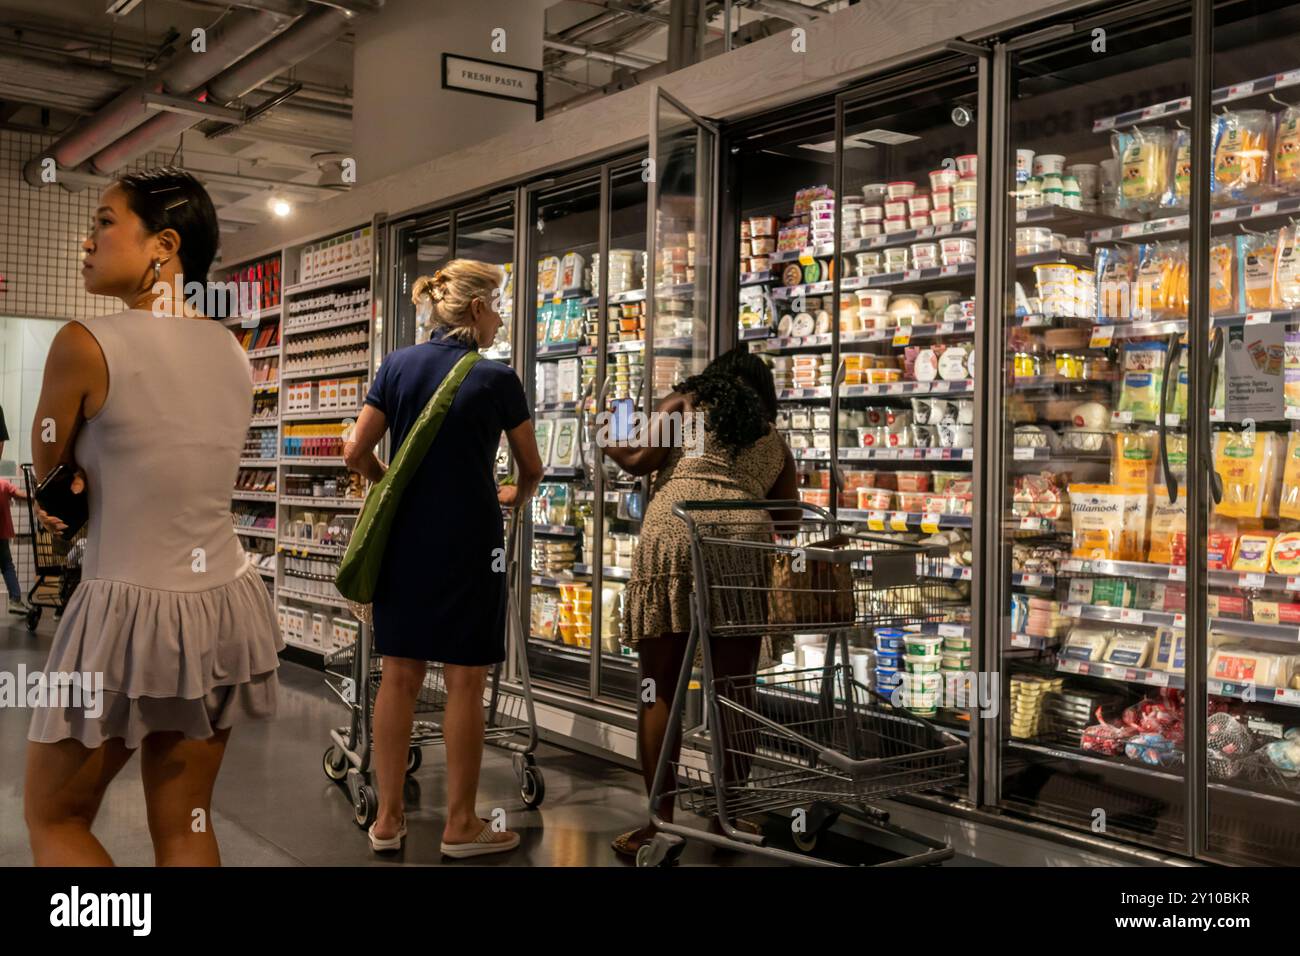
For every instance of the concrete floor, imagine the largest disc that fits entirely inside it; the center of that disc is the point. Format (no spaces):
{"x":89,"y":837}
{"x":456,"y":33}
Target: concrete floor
{"x":274,"y":807}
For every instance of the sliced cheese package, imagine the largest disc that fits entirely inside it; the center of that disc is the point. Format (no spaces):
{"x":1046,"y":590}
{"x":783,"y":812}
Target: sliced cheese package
{"x":1288,"y":505}
{"x":1087,"y":643}
{"x":1220,"y":550}
{"x":1168,"y":528}
{"x":1254,"y":551}
{"x":1223,"y":276}
{"x":1133,"y":464}
{"x":1255,"y":271}
{"x":1286,"y":269}
{"x":1242,"y":155}
{"x":1143,"y":376}
{"x":1286,"y":150}
{"x":1133,"y":537}
{"x":1286,"y":553}
{"x":1291,"y":370}
{"x":1097,"y":514}
{"x":1250,"y":466}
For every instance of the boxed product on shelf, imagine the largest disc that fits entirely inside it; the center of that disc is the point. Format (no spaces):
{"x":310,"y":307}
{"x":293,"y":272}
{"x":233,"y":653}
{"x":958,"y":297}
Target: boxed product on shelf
{"x":345,"y":632}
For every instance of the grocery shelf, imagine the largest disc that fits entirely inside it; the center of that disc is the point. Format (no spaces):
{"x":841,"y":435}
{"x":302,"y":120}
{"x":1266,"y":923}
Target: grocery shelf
{"x":895,"y":335}
{"x":907,"y":454}
{"x":1124,"y":569}
{"x":1022,"y":579}
{"x":941,"y":629}
{"x":315,"y":284}
{"x":265,"y":387}
{"x":952,"y":572}
{"x":1173,"y":225}
{"x":613,"y":574}
{"x":321,"y":460}
{"x":582,"y":654}
{"x":322,"y":324}
{"x":1050,"y":258}
{"x":1063,"y":219}
{"x":1165,"y":327}
{"x":1223,"y":94}
{"x":548,"y":581}
{"x":1081,"y":756}
{"x":257,"y":462}
{"x":252,"y":321}
{"x":322,"y":414}
{"x":267,"y":352}
{"x":1039,"y":524}
{"x":314,"y":502}
{"x":904,"y":520}
{"x":318,"y":599}
{"x":907,"y":236}
{"x":956,"y":387}
{"x":559,"y":471}
{"x":1253,"y":692}
{"x":303,"y":646}
{"x":300,"y":548}
{"x":1047,"y":454}
{"x":1131,"y":675}
{"x":1178,"y":621}
{"x":253,"y":496}
{"x":556,"y":407}
{"x":1033,"y":641}
{"x":558,"y":350}
{"x":758,"y":278}
{"x":256,"y":532}
{"x":264,"y":421}
{"x":558,"y":297}
{"x":566,"y":530}
{"x":756,"y":333}
{"x":293,"y":376}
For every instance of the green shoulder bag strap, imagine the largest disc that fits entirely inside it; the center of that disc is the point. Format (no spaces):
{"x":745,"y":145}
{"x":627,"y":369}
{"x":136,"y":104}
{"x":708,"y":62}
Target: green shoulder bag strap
{"x":358,"y":572}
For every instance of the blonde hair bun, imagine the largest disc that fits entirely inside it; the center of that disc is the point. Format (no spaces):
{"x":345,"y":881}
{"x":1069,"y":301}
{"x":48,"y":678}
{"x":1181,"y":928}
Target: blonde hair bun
{"x":448,"y":294}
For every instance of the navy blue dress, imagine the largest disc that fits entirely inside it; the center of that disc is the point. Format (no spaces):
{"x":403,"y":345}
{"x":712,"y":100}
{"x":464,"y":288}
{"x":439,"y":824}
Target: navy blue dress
{"x":441,"y":594}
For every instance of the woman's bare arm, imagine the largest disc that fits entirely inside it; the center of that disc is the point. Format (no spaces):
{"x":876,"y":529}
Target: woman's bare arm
{"x":75,"y":371}
{"x":528,"y":463}
{"x":359,"y":449}
{"x":785,"y":488}
{"x":643,"y":453}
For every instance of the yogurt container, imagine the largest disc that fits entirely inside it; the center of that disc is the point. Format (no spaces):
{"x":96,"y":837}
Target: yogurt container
{"x":900,"y":190}
{"x":868,"y":229}
{"x":941,"y":216}
{"x":1048,"y":163}
{"x":897,"y":224}
{"x":895,"y":208}
{"x":943,"y":179}
{"x":922,"y":645}
{"x":967,"y":165}
{"x":919,"y":221}
{"x":874,"y":192}
{"x":923,"y":663}
{"x":966,"y":190}
{"x":872,"y":300}
{"x":919,"y":203}
{"x":890,"y":638}
{"x":964,"y":211}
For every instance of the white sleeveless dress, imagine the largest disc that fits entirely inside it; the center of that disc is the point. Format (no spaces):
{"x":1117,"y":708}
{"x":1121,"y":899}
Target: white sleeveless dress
{"x":170,"y":610}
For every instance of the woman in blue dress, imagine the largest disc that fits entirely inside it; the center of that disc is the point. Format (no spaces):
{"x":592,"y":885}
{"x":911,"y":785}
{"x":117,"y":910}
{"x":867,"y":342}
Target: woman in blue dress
{"x":441,"y":594}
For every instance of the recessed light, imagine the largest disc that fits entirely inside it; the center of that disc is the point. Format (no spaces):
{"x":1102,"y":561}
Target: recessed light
{"x":281,"y":208}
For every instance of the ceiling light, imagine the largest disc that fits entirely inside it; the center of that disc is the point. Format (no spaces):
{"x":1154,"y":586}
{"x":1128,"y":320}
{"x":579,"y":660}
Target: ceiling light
{"x":281,"y":208}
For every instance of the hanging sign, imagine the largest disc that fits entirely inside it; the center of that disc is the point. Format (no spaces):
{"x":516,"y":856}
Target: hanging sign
{"x":499,"y":80}
{"x":1254,"y":373}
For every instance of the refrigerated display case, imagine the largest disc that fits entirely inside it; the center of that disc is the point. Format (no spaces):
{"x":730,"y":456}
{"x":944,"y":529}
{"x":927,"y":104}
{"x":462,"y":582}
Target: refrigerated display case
{"x":1143,"y":606}
{"x":858,"y":279}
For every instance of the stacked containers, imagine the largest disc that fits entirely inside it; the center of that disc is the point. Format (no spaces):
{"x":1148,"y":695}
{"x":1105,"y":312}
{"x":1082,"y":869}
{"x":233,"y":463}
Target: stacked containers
{"x":921,"y":678}
{"x":889,"y":660}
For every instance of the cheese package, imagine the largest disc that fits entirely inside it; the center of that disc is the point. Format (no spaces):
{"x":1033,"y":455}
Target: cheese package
{"x":1286,"y":150}
{"x":1288,"y":505}
{"x":1129,"y":648}
{"x":1087,"y":643}
{"x":1134,"y":461}
{"x":1170,"y":651}
{"x":1097,"y":518}
{"x":1250,"y":466}
{"x":1220,"y":550}
{"x":1274,"y":612}
{"x":1254,"y":549}
{"x":1286,"y":553}
{"x":1245,"y":665}
{"x":1081,"y":590}
{"x":1291,"y":370}
{"x":1255,"y":273}
{"x":1168,"y":528}
{"x":1223,"y":275}
{"x":1232,"y":606}
{"x":1133,"y":537}
{"x":1242,"y":159}
{"x":1112,"y":592}
{"x":1160,"y":289}
{"x":1115,"y":271}
{"x":1143,"y":375}
{"x":1286,"y":269}
{"x":1179,"y":192}
{"x":1143,"y":154}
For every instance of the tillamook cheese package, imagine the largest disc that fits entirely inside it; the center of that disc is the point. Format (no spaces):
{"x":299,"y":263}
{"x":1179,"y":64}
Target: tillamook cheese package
{"x":1097,"y":514}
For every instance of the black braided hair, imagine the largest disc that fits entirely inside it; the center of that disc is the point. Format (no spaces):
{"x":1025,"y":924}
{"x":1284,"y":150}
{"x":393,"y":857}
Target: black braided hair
{"x":736,"y":412}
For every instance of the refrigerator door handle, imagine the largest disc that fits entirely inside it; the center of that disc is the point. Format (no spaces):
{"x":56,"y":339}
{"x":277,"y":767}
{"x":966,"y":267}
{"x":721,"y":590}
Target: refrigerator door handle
{"x":1207,"y":454}
{"x":1171,"y":364}
{"x":837,"y":473}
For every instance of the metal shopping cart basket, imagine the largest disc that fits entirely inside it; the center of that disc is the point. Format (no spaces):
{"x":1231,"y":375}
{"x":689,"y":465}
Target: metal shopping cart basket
{"x":813,"y":740}
{"x":510,"y":722}
{"x":57,"y":562}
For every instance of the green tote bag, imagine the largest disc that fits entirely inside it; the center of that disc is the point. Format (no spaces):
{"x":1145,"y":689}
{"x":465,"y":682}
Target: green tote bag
{"x":358,"y":572}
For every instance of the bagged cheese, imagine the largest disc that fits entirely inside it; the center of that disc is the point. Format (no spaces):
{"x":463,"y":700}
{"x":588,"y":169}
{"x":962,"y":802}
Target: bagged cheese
{"x":1134,"y":462}
{"x":1168,"y":528}
{"x":1249,"y":464}
{"x":1097,"y":515}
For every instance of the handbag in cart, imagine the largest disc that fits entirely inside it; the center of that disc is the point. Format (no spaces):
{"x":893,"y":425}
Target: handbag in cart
{"x":358,"y":573}
{"x":806,"y":590}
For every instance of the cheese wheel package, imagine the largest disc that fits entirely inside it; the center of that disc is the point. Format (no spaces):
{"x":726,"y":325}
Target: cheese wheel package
{"x":1286,"y":269}
{"x":1097,"y":517}
{"x":1223,"y":275}
{"x":1133,"y":464}
{"x":1254,"y":551}
{"x":1242,"y":157}
{"x":1286,"y":150}
{"x":1286,"y":553}
{"x":1168,"y":528}
{"x":1249,"y":464}
{"x":1140,"y":388}
{"x":1255,"y":256}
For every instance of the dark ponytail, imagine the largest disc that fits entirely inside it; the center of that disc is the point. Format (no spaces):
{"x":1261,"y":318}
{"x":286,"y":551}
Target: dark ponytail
{"x":171,"y":198}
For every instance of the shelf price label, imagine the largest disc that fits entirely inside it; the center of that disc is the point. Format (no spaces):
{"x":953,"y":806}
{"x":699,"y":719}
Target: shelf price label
{"x":1252,"y":580}
{"x":1022,"y":454}
{"x":1240,"y":90}
{"x":898,"y":521}
{"x":1180,"y":621}
{"x":902,"y":337}
{"x":1155,"y":678}
{"x":952,"y":630}
{"x":1031,"y":524}
{"x":911,"y":275}
{"x":876,"y":520}
{"x":1031,"y":580}
{"x":930,"y":523}
{"x":1293,"y":582}
{"x":1263,"y":209}
{"x":1069,"y":666}
{"x":1021,"y":640}
{"x":1128,"y":615}
{"x":949,"y":270}
{"x":1102,"y":336}
{"x":1287,"y":695}
{"x":1177,"y":573}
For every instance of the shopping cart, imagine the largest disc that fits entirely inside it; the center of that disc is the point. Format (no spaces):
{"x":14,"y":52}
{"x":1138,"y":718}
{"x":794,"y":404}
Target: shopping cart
{"x":814,"y":740}
{"x":354,"y":673}
{"x":57,"y":562}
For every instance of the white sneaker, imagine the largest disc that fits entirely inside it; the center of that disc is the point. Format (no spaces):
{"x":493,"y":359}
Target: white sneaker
{"x":389,"y":844}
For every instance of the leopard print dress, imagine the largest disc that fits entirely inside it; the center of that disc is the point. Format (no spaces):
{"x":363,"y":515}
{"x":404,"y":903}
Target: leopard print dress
{"x":657,"y":599}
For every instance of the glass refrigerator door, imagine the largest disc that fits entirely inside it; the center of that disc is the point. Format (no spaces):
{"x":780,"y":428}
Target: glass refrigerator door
{"x":488,"y":235}
{"x":1252,"y":320}
{"x":1092,"y":569}
{"x":619,"y":388}
{"x":420,"y":249}
{"x":564,"y":238}
{"x":682,"y":173}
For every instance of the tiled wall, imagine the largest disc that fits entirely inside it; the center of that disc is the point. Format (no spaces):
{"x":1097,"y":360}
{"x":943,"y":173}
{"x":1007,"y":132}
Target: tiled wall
{"x":40,"y":237}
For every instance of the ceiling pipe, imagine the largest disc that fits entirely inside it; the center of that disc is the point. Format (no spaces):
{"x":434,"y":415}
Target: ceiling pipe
{"x":225,"y":45}
{"x":789,"y":10}
{"x":310,"y":34}
{"x":619,"y":59}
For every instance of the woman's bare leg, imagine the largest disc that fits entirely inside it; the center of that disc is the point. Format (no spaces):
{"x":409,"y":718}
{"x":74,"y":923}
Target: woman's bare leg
{"x":179,"y":774}
{"x":394,"y":714}
{"x":64,"y":786}
{"x":463,"y":730}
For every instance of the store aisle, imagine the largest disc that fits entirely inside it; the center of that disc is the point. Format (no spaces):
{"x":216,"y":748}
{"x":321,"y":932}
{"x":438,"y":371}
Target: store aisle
{"x":274,"y":807}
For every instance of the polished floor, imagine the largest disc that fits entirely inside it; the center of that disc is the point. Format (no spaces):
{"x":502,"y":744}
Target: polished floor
{"x":274,"y":807}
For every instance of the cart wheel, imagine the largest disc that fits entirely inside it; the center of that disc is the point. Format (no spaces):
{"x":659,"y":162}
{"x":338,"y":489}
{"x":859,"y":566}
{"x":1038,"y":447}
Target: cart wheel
{"x":336,"y":765}
{"x":414,"y":757}
{"x":532,"y":787}
{"x":33,"y":618}
{"x":658,"y":852}
{"x":805,"y":842}
{"x":366,"y":806}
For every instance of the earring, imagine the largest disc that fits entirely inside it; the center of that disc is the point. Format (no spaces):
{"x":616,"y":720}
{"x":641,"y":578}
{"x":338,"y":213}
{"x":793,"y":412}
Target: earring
{"x":157,"y":270}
